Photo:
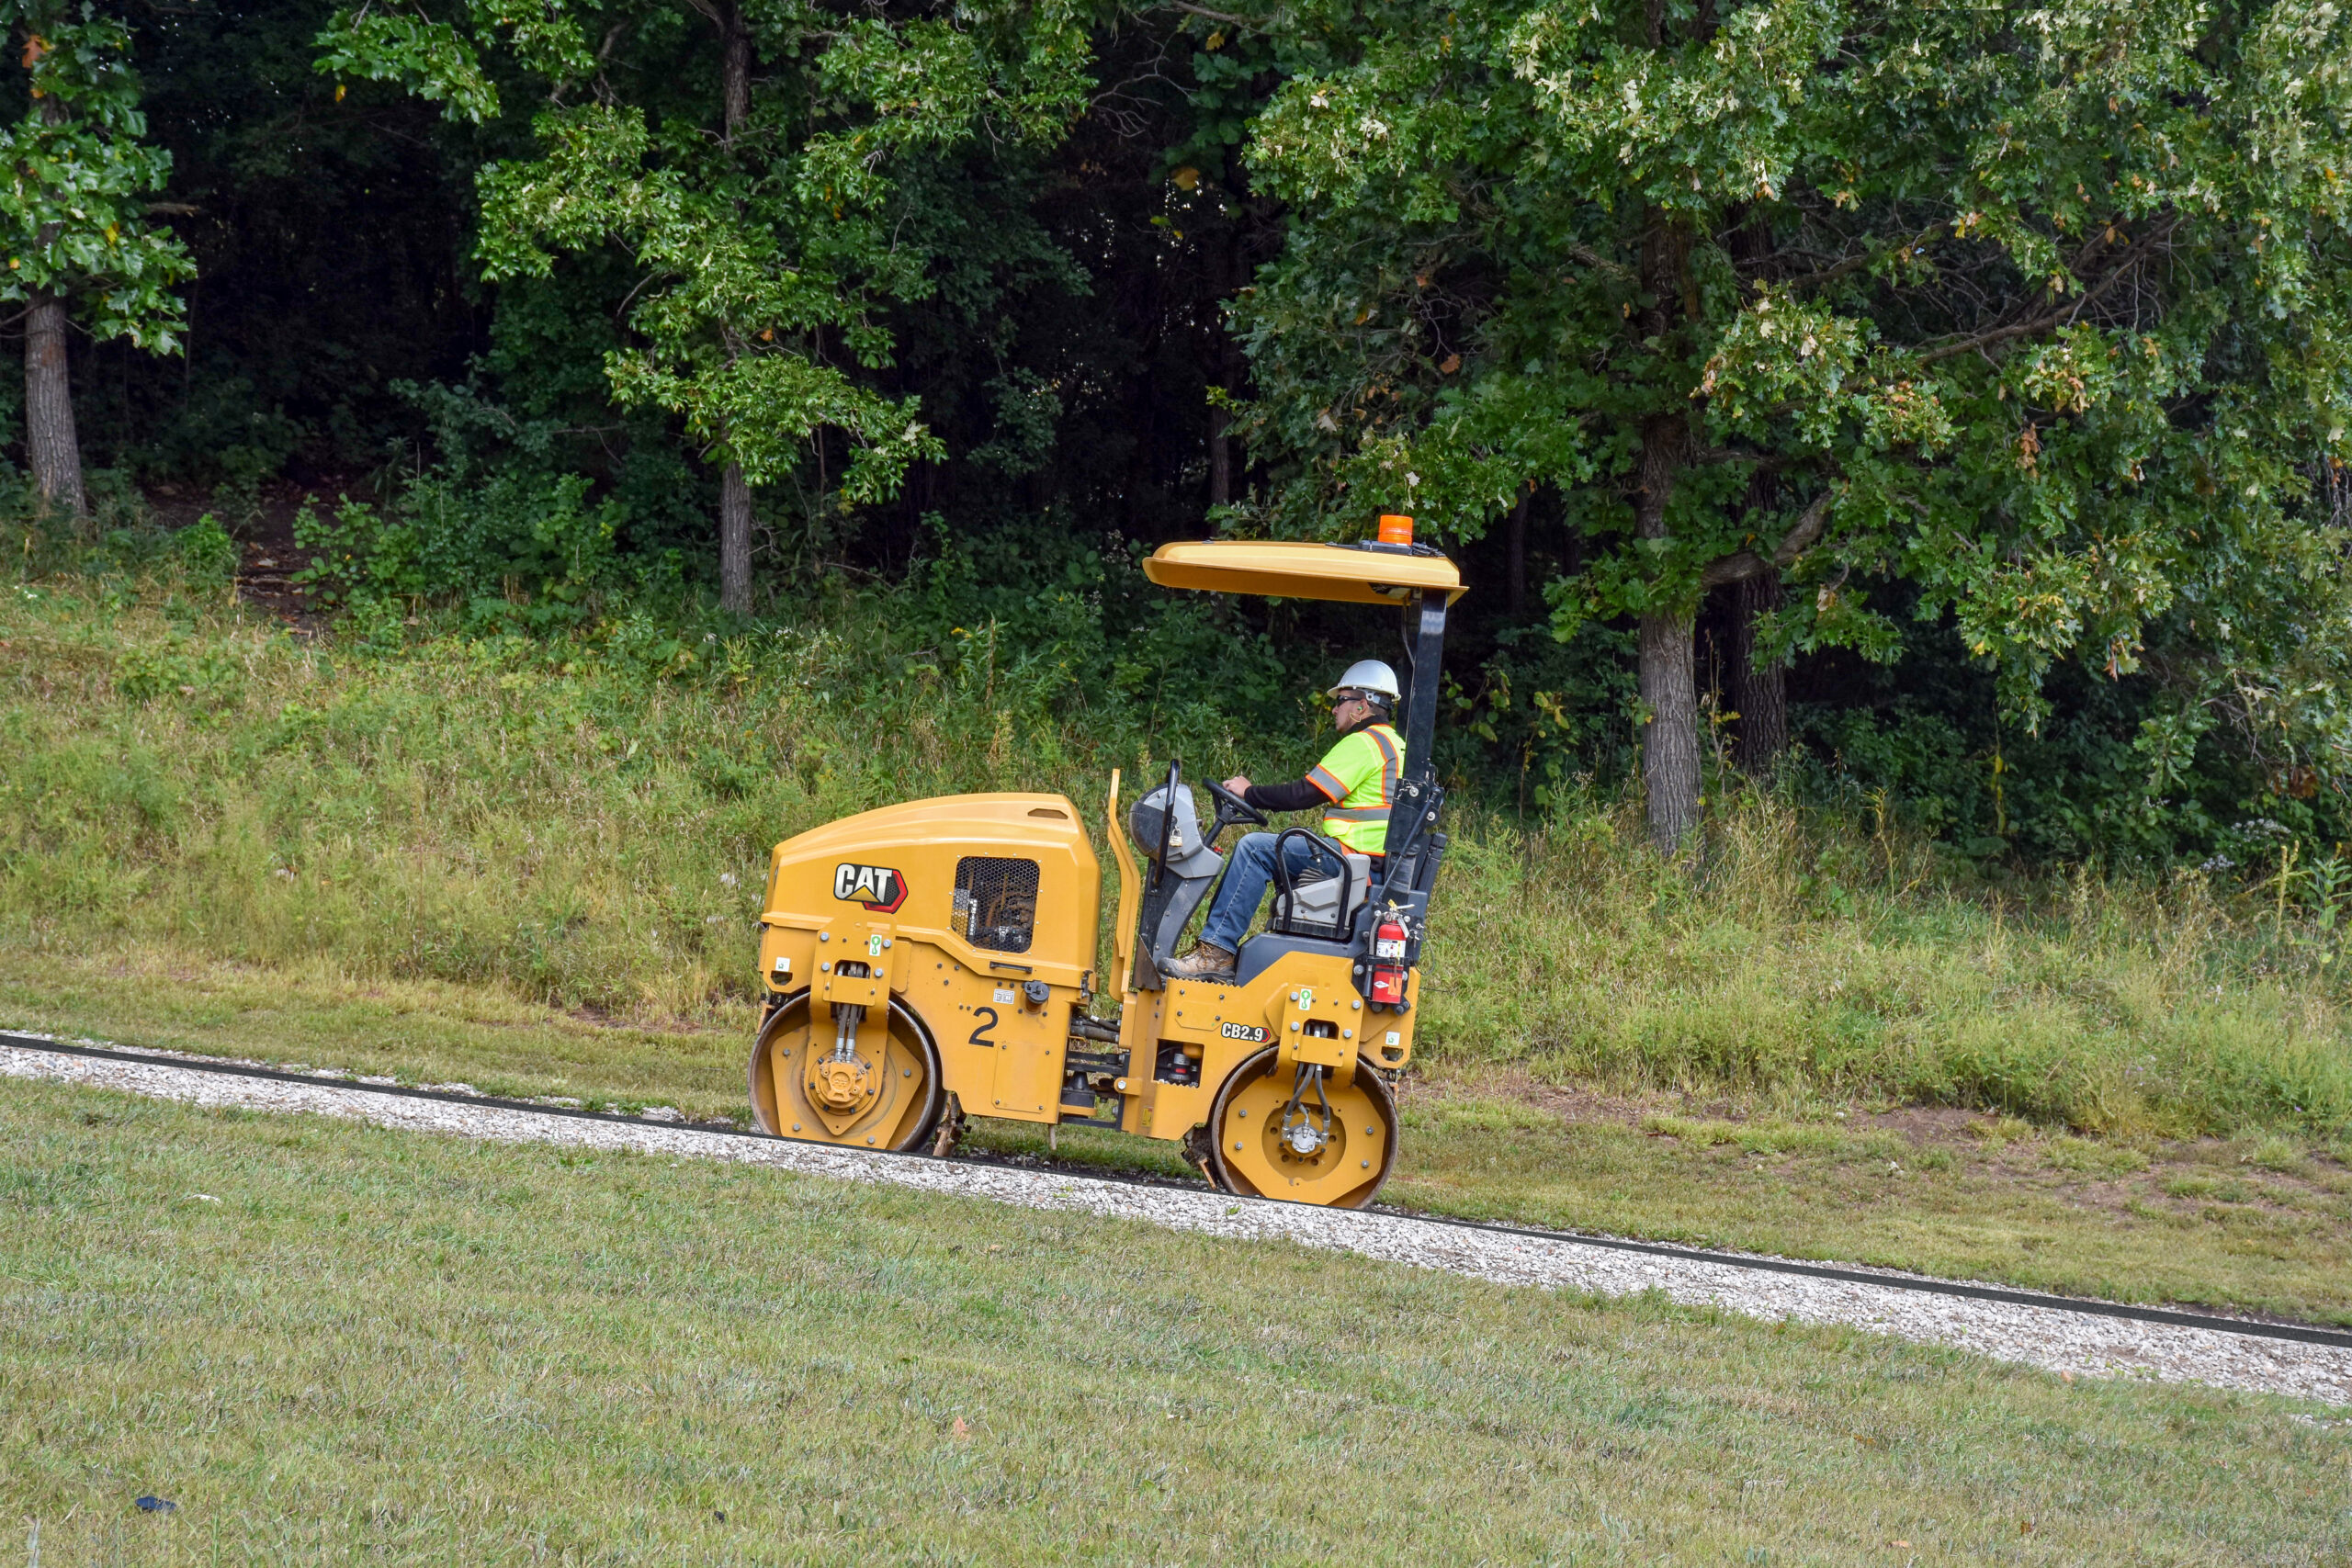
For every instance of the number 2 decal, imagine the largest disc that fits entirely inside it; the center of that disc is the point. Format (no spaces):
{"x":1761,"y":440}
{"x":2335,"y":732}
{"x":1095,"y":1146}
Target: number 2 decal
{"x":980,"y":1035}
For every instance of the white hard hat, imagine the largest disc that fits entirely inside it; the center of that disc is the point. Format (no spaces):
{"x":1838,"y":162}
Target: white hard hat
{"x":1369,"y":676}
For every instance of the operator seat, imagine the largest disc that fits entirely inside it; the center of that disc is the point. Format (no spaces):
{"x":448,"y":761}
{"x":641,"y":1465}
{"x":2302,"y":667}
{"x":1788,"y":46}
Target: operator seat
{"x":1311,"y":908}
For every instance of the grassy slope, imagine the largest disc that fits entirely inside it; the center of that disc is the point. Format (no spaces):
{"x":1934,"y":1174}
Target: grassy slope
{"x":556,"y":821}
{"x":2259,"y":1223}
{"x":535,"y":867}
{"x":422,"y":1350}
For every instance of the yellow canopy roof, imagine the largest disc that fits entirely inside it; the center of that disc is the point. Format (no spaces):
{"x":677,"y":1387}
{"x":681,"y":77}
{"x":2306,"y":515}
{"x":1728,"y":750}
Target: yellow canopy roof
{"x":1275,"y":570}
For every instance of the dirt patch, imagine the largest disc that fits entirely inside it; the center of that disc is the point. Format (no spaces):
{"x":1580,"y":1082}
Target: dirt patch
{"x":1570,"y":1102}
{"x":264,"y":530}
{"x":1926,"y":1125}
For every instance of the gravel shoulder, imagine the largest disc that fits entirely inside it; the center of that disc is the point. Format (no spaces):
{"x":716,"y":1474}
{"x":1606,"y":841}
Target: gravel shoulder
{"x":2053,"y":1339}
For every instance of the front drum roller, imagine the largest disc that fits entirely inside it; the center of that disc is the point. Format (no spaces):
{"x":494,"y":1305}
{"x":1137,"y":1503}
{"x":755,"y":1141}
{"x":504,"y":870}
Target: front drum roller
{"x":1249,"y":1155}
{"x":899,"y":1113}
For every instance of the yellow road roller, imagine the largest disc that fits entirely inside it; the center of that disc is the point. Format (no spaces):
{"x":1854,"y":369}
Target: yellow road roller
{"x":936,"y":960}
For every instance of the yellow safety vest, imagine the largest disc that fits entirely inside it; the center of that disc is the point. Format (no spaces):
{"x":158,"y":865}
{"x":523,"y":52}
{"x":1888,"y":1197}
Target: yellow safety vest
{"x":1360,"y":774}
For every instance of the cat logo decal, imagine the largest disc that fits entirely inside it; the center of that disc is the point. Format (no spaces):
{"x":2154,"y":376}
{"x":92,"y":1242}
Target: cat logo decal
{"x":877,"y":888}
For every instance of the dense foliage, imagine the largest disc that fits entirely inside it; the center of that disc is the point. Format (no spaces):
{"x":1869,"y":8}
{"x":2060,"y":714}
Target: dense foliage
{"x":77,"y":215}
{"x":1968,"y":386}
{"x":2041,"y":318}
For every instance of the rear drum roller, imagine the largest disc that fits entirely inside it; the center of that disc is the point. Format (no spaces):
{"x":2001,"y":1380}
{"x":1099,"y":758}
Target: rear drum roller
{"x":1279,"y":1134}
{"x":828,"y":1087}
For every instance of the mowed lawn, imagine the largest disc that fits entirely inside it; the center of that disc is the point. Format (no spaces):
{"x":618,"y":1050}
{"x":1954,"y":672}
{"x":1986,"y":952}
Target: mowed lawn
{"x":324,"y":1341}
{"x":2259,"y":1223}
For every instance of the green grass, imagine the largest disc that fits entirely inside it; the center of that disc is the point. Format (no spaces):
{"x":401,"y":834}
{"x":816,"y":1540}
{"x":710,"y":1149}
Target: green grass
{"x":582,"y":823}
{"x":2118,"y":1009}
{"x":358,"y":1343}
{"x":2261,"y":1222}
{"x":422,"y":1032}
{"x":2196,"y":1222}
{"x":533,"y":867}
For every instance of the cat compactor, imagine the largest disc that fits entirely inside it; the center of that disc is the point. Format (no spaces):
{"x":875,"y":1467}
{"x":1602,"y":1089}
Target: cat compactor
{"x":936,"y":960}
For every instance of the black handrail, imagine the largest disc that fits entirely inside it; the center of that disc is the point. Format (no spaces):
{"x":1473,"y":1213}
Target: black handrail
{"x":1167,"y":826}
{"x":1287,"y":888}
{"x":1424,"y":647}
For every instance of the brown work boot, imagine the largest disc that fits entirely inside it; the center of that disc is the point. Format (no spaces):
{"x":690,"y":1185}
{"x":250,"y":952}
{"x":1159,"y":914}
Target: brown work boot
{"x":1208,"y":961}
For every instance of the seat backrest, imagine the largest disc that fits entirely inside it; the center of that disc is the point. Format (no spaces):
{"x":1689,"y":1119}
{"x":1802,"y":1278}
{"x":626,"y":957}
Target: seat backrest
{"x":1312,"y":905}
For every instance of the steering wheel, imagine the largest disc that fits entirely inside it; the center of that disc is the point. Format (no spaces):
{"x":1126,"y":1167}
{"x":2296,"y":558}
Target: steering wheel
{"x":1230,"y":808}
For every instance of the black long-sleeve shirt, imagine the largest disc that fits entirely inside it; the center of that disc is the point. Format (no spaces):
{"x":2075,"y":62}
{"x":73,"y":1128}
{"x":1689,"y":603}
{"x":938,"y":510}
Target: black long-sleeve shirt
{"x":1298,"y":795}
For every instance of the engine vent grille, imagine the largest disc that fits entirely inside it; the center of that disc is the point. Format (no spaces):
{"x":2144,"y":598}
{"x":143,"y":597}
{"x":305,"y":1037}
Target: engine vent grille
{"x":995,"y":902}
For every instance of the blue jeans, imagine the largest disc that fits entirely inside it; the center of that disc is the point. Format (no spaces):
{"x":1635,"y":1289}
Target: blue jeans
{"x":1245,"y":881}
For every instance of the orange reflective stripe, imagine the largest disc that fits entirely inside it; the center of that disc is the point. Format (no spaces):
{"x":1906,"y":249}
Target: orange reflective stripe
{"x":1392,"y":761}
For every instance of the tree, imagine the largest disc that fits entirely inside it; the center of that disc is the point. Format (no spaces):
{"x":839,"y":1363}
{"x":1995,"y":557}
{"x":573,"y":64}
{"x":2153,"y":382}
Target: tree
{"x":80,"y":242}
{"x":2042,"y":314}
{"x":756,"y":200}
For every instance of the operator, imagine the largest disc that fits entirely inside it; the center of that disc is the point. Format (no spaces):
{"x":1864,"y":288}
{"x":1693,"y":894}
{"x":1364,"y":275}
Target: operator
{"x":1354,"y":783}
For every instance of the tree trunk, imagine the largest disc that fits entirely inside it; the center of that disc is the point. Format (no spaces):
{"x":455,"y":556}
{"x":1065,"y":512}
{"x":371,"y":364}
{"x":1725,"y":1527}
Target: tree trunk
{"x":734,"y":542}
{"x":1669,"y":687}
{"x":734,"y":494}
{"x":1671,"y":742}
{"x":1760,"y":697}
{"x":51,"y":446}
{"x":735,"y":84}
{"x":1668,"y":682}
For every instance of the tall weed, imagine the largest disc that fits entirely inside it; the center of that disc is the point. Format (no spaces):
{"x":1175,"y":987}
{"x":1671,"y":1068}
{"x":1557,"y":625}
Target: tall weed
{"x":1800,"y":960}
{"x":584,"y":819}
